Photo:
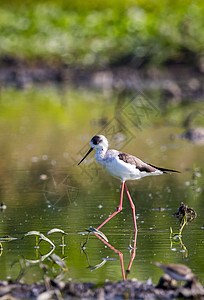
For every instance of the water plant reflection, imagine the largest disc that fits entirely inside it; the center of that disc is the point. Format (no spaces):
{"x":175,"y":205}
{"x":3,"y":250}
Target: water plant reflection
{"x":26,"y":264}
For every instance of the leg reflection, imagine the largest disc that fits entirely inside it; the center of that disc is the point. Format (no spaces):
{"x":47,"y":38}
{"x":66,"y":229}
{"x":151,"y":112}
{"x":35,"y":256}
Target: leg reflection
{"x":133,"y":249}
{"x":120,"y":254}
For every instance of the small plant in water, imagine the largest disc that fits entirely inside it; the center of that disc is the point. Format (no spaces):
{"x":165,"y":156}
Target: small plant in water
{"x":185,"y":211}
{"x":185,"y":215}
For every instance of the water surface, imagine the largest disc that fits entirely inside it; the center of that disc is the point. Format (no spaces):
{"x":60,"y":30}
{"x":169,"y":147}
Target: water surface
{"x":42,"y":188}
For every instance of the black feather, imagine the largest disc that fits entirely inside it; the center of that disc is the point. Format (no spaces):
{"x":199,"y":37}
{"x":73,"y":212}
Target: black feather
{"x":164,"y":169}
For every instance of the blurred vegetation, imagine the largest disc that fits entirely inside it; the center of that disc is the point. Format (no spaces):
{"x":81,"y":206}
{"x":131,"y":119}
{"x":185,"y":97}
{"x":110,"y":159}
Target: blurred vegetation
{"x":101,"y":33}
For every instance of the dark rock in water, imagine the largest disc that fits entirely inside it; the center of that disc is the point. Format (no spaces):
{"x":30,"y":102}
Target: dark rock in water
{"x":184,"y":210}
{"x":166,"y":283}
{"x":192,"y":289}
{"x":195,"y":135}
{"x":79,"y":290}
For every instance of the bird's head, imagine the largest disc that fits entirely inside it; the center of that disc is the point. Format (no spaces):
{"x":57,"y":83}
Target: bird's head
{"x":98,"y":142}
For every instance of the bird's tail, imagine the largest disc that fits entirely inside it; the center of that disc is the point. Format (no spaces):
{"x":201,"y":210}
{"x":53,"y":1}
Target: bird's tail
{"x":164,"y":170}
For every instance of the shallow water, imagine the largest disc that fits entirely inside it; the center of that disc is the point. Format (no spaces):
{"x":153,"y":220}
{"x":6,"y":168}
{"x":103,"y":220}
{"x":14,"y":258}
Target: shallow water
{"x":43,"y":188}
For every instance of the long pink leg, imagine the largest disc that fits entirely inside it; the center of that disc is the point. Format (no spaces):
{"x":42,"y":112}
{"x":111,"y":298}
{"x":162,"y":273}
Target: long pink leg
{"x":132,"y":206}
{"x":118,"y":209}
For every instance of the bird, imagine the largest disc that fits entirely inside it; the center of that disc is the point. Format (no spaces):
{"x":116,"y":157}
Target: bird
{"x":122,"y":166}
{"x":177,"y":271}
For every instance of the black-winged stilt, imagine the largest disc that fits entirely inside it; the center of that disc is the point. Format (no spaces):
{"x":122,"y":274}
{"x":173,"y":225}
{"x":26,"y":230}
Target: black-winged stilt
{"x":123,"y":166}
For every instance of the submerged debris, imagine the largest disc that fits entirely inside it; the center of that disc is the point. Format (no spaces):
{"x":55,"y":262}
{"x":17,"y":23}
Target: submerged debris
{"x":183,"y":211}
{"x":60,"y":262}
{"x":3,"y":206}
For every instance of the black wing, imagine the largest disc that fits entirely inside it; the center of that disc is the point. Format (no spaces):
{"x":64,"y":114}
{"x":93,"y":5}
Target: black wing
{"x":142,"y":166}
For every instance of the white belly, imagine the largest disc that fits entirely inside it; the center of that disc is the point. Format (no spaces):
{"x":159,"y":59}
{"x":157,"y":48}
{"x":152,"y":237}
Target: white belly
{"x":120,"y":169}
{"x":125,"y":171}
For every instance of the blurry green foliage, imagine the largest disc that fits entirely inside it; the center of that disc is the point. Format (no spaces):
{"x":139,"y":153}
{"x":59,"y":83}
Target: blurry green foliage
{"x":103,"y":32}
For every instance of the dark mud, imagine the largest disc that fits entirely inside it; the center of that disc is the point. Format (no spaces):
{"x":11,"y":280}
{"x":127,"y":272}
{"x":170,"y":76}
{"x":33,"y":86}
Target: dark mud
{"x":130,"y":289}
{"x":176,"y":82}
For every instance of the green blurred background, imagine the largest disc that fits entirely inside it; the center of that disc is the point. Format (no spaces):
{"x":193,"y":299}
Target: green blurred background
{"x":103,"y":33}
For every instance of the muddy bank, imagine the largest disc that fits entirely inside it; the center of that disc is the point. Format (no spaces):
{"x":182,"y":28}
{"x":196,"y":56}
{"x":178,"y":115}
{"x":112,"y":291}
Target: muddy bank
{"x":130,"y":289}
{"x":176,"y":81}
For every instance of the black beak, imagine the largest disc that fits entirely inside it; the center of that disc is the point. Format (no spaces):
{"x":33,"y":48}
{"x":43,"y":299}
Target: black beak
{"x":85,"y":155}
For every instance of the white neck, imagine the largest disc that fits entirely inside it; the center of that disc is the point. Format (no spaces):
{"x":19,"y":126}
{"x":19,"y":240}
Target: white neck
{"x":99,"y":155}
